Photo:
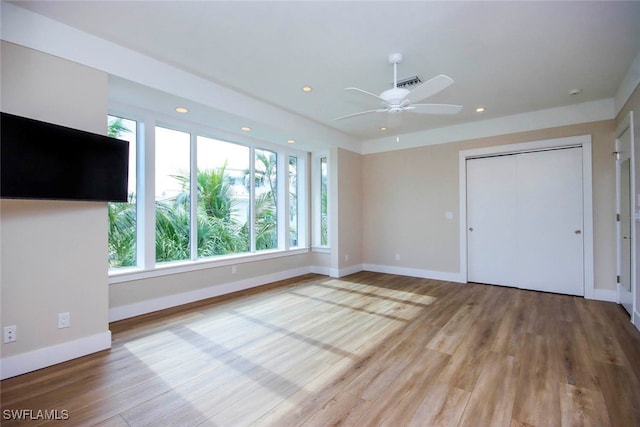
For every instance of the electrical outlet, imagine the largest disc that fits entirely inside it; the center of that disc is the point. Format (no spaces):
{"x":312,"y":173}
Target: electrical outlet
{"x":397,"y":257}
{"x":64,"y":320}
{"x":10,"y":334}
{"x":234,"y":269}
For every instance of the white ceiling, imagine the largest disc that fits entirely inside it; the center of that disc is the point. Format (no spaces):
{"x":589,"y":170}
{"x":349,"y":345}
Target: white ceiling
{"x":509,"y":57}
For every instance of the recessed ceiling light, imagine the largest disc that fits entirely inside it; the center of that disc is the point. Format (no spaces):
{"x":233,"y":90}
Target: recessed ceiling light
{"x":383,"y":129}
{"x":182,"y":110}
{"x":245,"y":129}
{"x":291,"y":141}
{"x":479,"y":109}
{"x":574,"y":91}
{"x":306,"y":89}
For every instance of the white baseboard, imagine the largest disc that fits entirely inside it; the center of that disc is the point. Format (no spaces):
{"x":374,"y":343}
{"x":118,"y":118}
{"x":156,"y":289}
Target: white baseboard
{"x":607,"y":295}
{"x":598,"y":294}
{"x":155,"y":304}
{"x":316,"y":269}
{"x":352,"y":269}
{"x":37,"y":359}
{"x":636,"y":320}
{"x":415,"y":272}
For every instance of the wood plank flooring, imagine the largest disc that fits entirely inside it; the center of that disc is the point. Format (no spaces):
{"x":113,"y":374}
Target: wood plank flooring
{"x":369,"y":349}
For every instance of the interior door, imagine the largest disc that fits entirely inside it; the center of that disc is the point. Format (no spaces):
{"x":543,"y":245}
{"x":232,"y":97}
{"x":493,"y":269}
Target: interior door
{"x":550,"y":218}
{"x":624,"y":208}
{"x":491,"y":220}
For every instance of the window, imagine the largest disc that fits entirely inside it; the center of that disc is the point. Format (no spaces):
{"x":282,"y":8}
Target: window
{"x":122,"y":216}
{"x":223,"y":197}
{"x":293,"y":202}
{"x":172,"y":198}
{"x":206,"y":199}
{"x":265,"y":199}
{"x":320,"y":182}
{"x":324,"y":202}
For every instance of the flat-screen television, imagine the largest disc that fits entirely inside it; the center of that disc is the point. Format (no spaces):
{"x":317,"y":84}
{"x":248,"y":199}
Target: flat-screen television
{"x":41,"y":160}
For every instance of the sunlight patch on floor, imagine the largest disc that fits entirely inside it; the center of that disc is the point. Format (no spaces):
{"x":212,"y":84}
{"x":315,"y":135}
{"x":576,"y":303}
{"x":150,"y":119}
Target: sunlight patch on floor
{"x":381,"y":292}
{"x":262,"y":359}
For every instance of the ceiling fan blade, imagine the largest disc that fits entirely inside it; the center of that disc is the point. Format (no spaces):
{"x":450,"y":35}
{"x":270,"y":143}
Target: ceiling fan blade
{"x":434,"y":108}
{"x":366,"y":93}
{"x":430,"y":88}
{"x":361,"y":113}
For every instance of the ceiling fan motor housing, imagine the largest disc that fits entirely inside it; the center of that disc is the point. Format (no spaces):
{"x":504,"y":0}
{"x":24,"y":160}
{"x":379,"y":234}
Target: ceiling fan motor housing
{"x":395,"y":96}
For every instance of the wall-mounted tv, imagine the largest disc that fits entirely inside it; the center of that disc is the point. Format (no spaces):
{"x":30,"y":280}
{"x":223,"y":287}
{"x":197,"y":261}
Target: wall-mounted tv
{"x":41,"y":160}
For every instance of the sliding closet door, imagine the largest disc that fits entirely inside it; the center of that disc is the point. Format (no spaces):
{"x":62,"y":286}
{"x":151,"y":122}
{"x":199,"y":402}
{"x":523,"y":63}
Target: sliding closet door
{"x":550,"y":238}
{"x":491,"y":220}
{"x":524,"y":219}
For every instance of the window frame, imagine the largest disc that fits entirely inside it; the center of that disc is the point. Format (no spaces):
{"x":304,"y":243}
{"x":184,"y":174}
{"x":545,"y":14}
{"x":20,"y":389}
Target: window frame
{"x":139,"y":144}
{"x":316,"y":191}
{"x":280,"y":189}
{"x":152,"y":207}
{"x":302,"y":190}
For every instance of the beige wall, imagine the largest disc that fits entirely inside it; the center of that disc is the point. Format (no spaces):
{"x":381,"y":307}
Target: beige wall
{"x":54,"y":253}
{"x":139,"y":291}
{"x":320,"y":261}
{"x":349,"y":196}
{"x":408,"y":192}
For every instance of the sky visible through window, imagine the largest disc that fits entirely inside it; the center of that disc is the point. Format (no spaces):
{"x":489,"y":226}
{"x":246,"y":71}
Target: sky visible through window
{"x":173,"y":154}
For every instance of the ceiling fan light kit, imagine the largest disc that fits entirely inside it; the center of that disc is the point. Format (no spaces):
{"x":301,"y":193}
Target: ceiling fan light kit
{"x":399,"y":99}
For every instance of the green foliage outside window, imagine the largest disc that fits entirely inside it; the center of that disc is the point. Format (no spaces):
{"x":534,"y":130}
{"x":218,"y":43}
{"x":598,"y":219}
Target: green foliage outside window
{"x":324,"y":206}
{"x":266,"y":201}
{"x":122,"y":216}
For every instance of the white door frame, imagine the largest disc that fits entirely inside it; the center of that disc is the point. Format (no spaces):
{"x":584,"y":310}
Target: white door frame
{"x":627,"y":124}
{"x":583,"y":141}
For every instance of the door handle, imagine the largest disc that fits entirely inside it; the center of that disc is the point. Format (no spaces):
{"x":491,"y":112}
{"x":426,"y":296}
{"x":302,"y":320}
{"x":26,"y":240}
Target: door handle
{"x":578,"y":231}
{"x":626,"y":237}
{"x":470,"y":228}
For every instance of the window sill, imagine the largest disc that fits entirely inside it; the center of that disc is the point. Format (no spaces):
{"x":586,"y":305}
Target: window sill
{"x":165,"y":269}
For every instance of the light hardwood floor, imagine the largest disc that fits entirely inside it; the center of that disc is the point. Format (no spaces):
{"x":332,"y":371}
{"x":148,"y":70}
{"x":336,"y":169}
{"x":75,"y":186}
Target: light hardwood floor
{"x":369,"y":349}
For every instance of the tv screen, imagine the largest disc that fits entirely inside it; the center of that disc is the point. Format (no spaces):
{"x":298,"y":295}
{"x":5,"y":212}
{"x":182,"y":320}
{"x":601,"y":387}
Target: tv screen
{"x":41,"y":160}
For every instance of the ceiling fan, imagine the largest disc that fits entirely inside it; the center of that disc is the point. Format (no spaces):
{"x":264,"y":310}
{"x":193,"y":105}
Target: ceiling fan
{"x":399,"y":99}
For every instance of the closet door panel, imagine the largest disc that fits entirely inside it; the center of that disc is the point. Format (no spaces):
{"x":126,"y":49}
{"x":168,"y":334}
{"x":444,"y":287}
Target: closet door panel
{"x":550,"y":223}
{"x":491,"y":220}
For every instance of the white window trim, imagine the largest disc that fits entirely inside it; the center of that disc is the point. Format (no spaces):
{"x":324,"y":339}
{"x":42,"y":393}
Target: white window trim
{"x":282,"y":207}
{"x":193,"y":196}
{"x":147,"y":216}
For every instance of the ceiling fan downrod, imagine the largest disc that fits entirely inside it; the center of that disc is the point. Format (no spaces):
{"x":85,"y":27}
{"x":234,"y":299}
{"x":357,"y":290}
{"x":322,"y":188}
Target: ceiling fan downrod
{"x":395,"y":59}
